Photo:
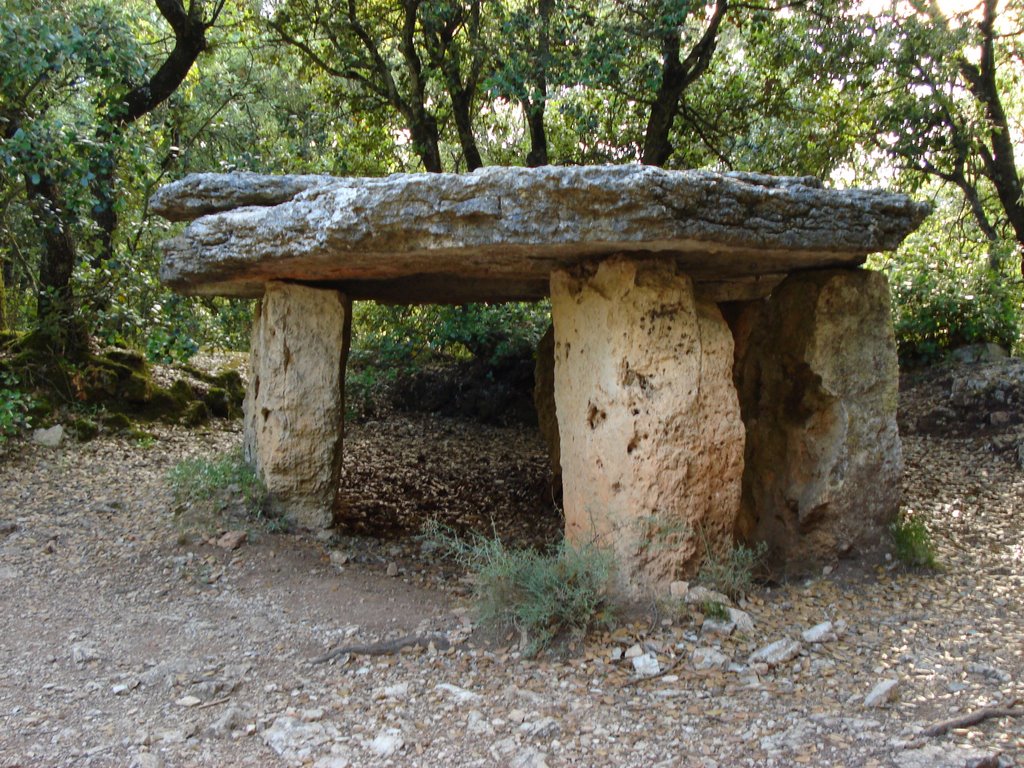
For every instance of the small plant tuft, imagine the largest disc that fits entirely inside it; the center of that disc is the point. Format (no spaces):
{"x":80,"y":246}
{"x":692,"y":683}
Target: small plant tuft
{"x":715,"y":610}
{"x":913,"y":542}
{"x":731,"y":573}
{"x":547,"y":598}
{"x":208,"y":490}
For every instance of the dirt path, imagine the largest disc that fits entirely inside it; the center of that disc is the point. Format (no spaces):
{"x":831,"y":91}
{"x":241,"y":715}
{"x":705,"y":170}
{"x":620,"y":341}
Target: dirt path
{"x":120,"y":645}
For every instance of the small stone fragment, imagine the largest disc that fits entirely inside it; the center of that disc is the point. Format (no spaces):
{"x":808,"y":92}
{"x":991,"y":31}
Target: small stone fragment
{"x":882,"y":694}
{"x":545,"y":728}
{"x":387,"y":742}
{"x":81,"y":653}
{"x":634,"y":651}
{"x":396,"y":691}
{"x":392,"y":569}
{"x":189,"y":701}
{"x":712,"y":626}
{"x":709,"y":658}
{"x":699,"y":595}
{"x":820,"y":633}
{"x":461,"y":695}
{"x":678,"y":589}
{"x":646,"y":665}
{"x":777,"y":653}
{"x":743,"y":621}
{"x":232,"y":719}
{"x":232,"y":540}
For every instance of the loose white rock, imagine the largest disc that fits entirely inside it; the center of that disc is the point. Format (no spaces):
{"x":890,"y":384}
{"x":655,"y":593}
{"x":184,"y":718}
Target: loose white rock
{"x":820,"y":633}
{"x":883,"y":693}
{"x":743,"y":621}
{"x":777,"y":653}
{"x":709,"y":658}
{"x":388,"y":742}
{"x":82,"y":653}
{"x":461,"y":695}
{"x":697,"y":595}
{"x":634,"y":651}
{"x":49,"y":438}
{"x":646,"y":665}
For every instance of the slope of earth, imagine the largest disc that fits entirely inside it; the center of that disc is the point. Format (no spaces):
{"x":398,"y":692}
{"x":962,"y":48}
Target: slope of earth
{"x":124,"y":642}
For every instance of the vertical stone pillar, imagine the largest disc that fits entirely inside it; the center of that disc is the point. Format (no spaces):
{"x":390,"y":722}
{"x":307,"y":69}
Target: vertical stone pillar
{"x":294,"y":406}
{"x":819,"y":383}
{"x":651,"y":436}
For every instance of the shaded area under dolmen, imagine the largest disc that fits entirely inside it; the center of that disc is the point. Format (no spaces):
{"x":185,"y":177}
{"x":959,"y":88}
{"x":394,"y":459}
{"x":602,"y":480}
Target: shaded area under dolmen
{"x":719,"y":364}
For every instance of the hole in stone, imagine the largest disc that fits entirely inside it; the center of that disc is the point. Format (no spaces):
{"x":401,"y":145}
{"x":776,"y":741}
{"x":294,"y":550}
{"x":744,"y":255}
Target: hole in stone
{"x":265,"y":413}
{"x":595,"y":416}
{"x":454,"y":441}
{"x":633,"y":443}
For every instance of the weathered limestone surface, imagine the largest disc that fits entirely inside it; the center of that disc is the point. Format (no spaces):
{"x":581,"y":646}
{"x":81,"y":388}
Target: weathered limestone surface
{"x":818,"y":382}
{"x":294,"y":406}
{"x":651,"y":436}
{"x":498,"y":233}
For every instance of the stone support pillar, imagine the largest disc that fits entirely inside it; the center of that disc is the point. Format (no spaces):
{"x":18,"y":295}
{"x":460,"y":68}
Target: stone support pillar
{"x":294,"y":406}
{"x":648,"y":417}
{"x":818,"y":381}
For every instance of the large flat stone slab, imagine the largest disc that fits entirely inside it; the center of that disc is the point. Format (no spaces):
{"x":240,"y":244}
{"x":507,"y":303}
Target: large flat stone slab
{"x":498,"y":233}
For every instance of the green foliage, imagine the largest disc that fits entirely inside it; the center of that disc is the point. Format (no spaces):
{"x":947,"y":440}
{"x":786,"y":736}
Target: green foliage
{"x":209,"y":491}
{"x":715,"y":610}
{"x":913,"y":542}
{"x":403,"y":336}
{"x":546,"y":598}
{"x":15,"y":408}
{"x":731,"y":572}
{"x":946,"y":293}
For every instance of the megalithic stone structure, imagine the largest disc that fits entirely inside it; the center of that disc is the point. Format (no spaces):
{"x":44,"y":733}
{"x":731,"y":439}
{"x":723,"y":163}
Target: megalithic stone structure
{"x":721,"y":365}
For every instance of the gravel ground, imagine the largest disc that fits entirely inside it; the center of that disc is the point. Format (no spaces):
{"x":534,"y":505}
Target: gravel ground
{"x":127,"y":642}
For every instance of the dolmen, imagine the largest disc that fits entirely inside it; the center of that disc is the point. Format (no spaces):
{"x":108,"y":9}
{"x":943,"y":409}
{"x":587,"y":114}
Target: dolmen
{"x":722,"y":367}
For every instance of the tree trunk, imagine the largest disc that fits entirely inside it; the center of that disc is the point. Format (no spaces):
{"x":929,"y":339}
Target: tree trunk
{"x":55,"y":301}
{"x":676,"y":77}
{"x":462,"y":111}
{"x":999,"y":160}
{"x":536,"y":104}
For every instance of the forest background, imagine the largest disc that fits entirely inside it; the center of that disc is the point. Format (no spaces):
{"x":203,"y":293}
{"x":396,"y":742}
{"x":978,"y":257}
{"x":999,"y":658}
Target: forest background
{"x":102,"y":102}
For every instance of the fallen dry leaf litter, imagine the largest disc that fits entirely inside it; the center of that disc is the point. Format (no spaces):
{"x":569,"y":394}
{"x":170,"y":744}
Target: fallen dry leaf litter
{"x":125,"y":642}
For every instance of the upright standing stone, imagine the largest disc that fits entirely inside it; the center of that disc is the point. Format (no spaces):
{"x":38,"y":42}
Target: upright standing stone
{"x":651,"y":436}
{"x":294,"y":407}
{"x":818,"y":381}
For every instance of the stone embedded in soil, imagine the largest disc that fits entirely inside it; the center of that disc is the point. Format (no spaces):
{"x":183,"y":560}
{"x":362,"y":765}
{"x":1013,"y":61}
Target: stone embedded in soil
{"x":883,"y":693}
{"x":294,"y":403}
{"x":232,"y":540}
{"x":818,"y":382}
{"x":776,"y":653}
{"x":649,"y":424}
{"x":820,"y":633}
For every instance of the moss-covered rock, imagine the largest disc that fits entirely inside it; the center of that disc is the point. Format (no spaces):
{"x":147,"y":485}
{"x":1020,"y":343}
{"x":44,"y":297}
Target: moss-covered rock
{"x":84,"y":429}
{"x":117,"y":422}
{"x":129,"y":358}
{"x":195,"y":413}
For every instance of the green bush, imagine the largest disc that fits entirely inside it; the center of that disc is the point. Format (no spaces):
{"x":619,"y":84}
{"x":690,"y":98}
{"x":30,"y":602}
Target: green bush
{"x":406,"y":336}
{"x":946,"y":294}
{"x":913,"y":542}
{"x":15,"y":408}
{"x":208,"y":490}
{"x":546,"y":598}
